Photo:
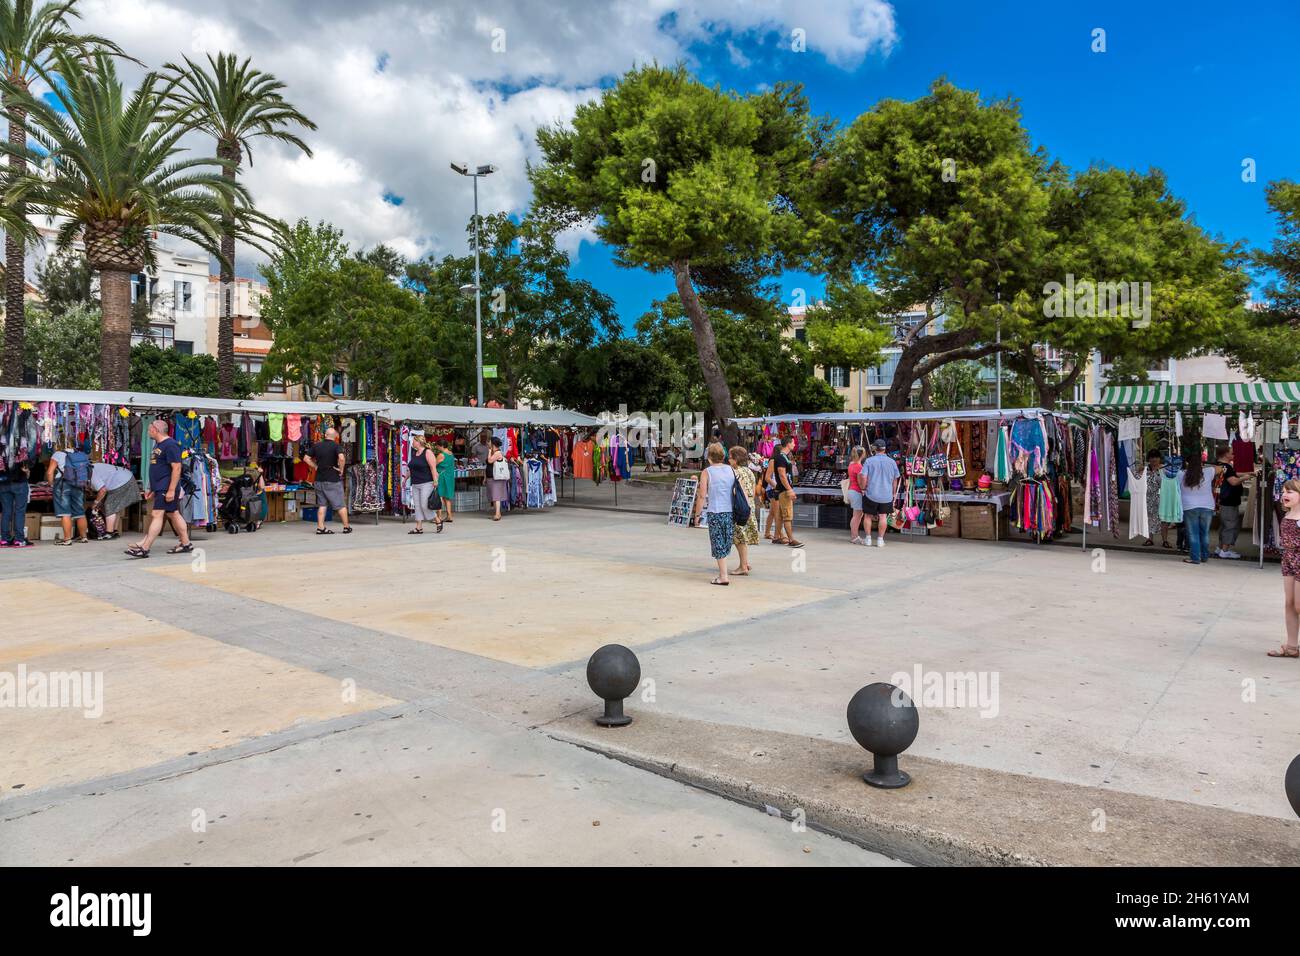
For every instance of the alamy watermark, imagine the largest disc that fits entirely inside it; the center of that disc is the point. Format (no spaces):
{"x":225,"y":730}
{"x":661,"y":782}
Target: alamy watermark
{"x":74,"y":690}
{"x":684,"y":430}
{"x":977,"y":689}
{"x":1087,"y":299}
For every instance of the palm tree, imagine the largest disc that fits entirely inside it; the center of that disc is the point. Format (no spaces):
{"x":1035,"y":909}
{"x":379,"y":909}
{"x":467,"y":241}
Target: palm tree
{"x":235,"y":103}
{"x":114,"y":175}
{"x":29,"y":35}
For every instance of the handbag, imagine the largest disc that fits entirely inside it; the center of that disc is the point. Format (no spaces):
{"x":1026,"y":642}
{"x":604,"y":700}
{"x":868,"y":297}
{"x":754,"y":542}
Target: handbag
{"x":501,"y":470}
{"x":957,"y":466}
{"x":435,"y":500}
{"x":740,"y":510}
{"x":936,"y":463}
{"x":844,"y":490}
{"x":916,"y":461}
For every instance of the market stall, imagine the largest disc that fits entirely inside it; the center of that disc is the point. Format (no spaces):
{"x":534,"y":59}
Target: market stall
{"x":540,"y":445}
{"x":1024,"y":455}
{"x":1257,"y":421}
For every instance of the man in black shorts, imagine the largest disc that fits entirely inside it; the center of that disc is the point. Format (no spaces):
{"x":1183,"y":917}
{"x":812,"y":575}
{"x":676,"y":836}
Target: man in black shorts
{"x":880,"y":475}
{"x":164,"y":494}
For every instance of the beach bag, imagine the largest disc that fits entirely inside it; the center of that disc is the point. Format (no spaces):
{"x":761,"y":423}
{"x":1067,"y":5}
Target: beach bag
{"x":936,"y":462}
{"x":740,"y":511}
{"x":957,"y":466}
{"x":501,"y":470}
{"x":844,"y":491}
{"x":98,"y":525}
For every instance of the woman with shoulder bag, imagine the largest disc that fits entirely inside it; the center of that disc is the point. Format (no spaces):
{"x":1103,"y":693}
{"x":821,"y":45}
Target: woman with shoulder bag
{"x":744,"y":535}
{"x":424,"y":489}
{"x":716,"y":482}
{"x":498,"y":477}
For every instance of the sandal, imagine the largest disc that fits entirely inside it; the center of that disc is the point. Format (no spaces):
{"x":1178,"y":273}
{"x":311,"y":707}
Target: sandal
{"x":324,"y":530}
{"x":438,"y":530}
{"x":1285,"y":651}
{"x":1166,"y":544}
{"x":181,"y":549}
{"x":1148,"y":544}
{"x":348,"y":529}
{"x":416,"y":531}
{"x":136,"y":553}
{"x":739,"y":573}
{"x":65,"y":543}
{"x":720,"y":583}
{"x":796,"y":544}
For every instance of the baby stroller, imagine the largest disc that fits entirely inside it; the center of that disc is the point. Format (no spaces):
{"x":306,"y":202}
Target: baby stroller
{"x":240,"y":505}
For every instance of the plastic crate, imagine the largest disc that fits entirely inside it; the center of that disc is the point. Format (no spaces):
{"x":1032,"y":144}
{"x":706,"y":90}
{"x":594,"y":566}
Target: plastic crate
{"x":834,"y":516}
{"x":807,"y":516}
{"x":467,"y":501}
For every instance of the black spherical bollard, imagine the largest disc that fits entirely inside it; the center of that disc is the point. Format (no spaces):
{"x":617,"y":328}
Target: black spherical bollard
{"x":1292,"y":785}
{"x":883,"y":719}
{"x":613,"y":673}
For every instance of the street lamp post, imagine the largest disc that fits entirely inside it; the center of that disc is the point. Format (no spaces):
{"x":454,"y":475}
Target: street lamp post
{"x":463,"y":169}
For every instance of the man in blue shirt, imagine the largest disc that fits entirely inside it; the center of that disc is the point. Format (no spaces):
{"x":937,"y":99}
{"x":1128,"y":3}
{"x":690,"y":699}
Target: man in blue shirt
{"x":164,"y":493}
{"x":880,"y":474}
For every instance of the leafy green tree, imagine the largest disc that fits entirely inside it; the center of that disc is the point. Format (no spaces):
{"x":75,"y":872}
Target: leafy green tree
{"x":939,"y":203}
{"x":386,"y":259}
{"x":955,"y":385}
{"x":600,"y":378}
{"x":114,"y":175}
{"x":30,"y":33}
{"x":352,"y":318}
{"x":66,"y":280}
{"x":169,"y":372}
{"x":63,"y":346}
{"x":1266,"y":342}
{"x":529,"y":299}
{"x":306,"y":249}
{"x":770,"y":371}
{"x":1148,"y":282}
{"x":678,"y":176}
{"x":235,"y":104}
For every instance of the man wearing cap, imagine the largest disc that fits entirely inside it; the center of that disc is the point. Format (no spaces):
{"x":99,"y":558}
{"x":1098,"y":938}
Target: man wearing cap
{"x":880,"y":476}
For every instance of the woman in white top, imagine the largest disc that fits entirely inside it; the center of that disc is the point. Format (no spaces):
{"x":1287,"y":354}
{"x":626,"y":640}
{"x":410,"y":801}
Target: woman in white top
{"x":1196,"y":485}
{"x":716,"y":482}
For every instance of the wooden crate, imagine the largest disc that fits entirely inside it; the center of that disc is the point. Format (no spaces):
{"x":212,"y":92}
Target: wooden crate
{"x":982,"y":523}
{"x":951,"y":526}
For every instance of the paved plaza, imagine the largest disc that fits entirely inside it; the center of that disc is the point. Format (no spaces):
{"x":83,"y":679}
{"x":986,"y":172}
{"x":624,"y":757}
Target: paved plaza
{"x":282,"y":698}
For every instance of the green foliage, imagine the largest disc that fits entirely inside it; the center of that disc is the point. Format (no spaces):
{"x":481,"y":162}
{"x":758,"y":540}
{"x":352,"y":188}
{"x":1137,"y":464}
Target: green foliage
{"x":846,"y":329}
{"x":65,"y":280}
{"x":169,"y":372}
{"x":602,"y":377}
{"x":529,"y":300}
{"x":769,"y":371}
{"x":955,"y":385}
{"x":306,"y":249}
{"x":386,"y":259}
{"x":63,"y":347}
{"x":1266,"y":342}
{"x":353,"y":318}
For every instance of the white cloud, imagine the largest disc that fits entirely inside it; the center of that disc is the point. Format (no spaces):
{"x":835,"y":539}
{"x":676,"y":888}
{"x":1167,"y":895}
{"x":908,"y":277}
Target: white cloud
{"x":442,"y":94}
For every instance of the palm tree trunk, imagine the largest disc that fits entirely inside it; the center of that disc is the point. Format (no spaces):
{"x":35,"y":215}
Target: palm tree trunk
{"x":11,"y":369}
{"x":226,"y":320}
{"x":706,"y":345}
{"x":115,"y":349}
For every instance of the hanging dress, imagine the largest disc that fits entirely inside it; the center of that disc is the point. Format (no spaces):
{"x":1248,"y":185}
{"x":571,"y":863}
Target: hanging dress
{"x":1138,"y":513}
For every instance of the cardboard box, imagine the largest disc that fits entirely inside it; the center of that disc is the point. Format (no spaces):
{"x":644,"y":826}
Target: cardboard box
{"x":950,"y":527}
{"x":982,"y":523}
{"x":33,"y":527}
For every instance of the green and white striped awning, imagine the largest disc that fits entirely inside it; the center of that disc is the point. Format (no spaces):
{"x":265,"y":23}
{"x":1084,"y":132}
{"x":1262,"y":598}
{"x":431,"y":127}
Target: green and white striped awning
{"x":1221,"y":397}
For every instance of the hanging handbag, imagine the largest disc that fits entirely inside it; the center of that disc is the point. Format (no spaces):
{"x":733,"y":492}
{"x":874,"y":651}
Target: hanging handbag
{"x":936,"y":462}
{"x":916,"y":461}
{"x":957,"y":466}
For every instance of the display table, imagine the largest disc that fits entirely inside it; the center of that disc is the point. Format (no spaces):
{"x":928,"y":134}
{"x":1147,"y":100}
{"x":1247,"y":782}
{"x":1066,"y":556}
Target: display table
{"x":999,"y":499}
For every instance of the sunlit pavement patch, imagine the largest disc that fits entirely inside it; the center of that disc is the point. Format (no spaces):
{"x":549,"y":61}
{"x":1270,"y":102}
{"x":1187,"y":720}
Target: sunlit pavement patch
{"x":165,"y":691}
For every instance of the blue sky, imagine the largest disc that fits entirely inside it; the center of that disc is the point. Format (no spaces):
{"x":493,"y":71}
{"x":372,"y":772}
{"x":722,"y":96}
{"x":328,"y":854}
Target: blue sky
{"x":1191,"y":88}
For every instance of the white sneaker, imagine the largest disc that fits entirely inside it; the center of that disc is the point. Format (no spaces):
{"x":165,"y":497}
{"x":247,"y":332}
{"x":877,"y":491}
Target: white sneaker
{"x":856,"y":541}
{"x":1230,"y":555}
{"x":880,"y":542}
{"x":866,"y":541}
